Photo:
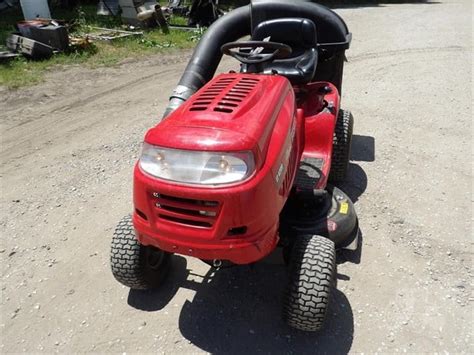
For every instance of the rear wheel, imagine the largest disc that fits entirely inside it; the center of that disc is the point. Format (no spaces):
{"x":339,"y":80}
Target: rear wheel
{"x":134,"y":265}
{"x":311,"y":276}
{"x":341,"y":150}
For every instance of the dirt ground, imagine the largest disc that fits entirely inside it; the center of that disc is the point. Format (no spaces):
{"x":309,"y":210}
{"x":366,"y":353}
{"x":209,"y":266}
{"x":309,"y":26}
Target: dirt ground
{"x":67,"y":151}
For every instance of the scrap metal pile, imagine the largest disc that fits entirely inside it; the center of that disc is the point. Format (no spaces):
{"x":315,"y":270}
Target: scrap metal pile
{"x":39,"y":36}
{"x":148,"y":13}
{"x":38,"y":39}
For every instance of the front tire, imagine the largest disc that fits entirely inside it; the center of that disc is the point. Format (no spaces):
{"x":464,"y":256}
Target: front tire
{"x":134,"y":265}
{"x":341,"y":148}
{"x":311,"y":277}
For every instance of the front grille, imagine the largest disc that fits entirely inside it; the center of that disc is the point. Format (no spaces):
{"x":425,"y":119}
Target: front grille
{"x":196,"y":213}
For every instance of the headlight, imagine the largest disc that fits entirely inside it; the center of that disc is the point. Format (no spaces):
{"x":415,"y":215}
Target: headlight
{"x":192,"y":167}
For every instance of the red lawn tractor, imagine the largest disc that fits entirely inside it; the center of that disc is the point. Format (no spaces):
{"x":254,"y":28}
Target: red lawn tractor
{"x":240,"y":163}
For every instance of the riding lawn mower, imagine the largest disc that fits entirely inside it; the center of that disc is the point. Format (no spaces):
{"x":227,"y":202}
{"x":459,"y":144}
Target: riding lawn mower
{"x":248,"y":161}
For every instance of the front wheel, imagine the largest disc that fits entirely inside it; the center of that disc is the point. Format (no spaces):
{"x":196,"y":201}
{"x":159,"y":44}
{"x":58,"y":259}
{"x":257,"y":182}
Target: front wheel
{"x":134,"y":265}
{"x":311,"y":277}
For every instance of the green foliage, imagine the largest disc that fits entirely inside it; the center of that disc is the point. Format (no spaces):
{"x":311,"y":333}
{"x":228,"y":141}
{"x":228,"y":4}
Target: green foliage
{"x":149,"y":43}
{"x":197,"y":34}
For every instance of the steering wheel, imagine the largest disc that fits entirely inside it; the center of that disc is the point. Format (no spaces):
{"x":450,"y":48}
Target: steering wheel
{"x":251,"y":56}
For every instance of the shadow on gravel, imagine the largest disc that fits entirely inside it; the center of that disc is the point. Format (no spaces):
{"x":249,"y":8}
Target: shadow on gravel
{"x":363,"y":149}
{"x":238,"y":311}
{"x":356,"y":182}
{"x":156,"y":300}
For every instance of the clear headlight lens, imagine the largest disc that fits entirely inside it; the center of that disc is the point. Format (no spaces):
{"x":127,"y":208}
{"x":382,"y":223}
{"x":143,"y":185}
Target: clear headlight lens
{"x":192,"y":167}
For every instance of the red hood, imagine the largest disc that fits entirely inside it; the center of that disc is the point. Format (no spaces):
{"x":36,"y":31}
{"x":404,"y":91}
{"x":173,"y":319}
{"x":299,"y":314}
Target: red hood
{"x":233,"y":112}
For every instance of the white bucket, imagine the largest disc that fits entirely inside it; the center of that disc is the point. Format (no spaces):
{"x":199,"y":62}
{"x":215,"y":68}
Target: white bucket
{"x":35,"y":8}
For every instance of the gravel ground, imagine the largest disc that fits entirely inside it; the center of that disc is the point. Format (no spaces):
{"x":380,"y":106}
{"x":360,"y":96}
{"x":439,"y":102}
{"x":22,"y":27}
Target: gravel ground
{"x":68,"y":147}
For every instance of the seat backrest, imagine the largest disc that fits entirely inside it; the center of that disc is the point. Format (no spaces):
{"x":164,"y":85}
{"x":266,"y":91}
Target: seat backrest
{"x":295,"y":32}
{"x":300,"y":35}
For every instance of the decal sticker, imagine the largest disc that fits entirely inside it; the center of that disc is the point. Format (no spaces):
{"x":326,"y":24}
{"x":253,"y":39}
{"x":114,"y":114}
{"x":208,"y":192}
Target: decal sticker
{"x":286,"y":156}
{"x":280,"y":172}
{"x":344,"y":208}
{"x":332,"y":226}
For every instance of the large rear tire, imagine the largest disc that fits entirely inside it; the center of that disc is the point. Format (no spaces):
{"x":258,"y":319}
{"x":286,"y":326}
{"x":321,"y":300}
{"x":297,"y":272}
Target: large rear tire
{"x":312,"y":272}
{"x":134,"y":265}
{"x":341,"y":149}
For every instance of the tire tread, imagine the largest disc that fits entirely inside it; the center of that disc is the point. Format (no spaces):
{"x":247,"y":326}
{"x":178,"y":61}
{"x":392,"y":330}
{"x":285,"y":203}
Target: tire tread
{"x":126,"y":256}
{"x":312,"y":270}
{"x":341,"y":146}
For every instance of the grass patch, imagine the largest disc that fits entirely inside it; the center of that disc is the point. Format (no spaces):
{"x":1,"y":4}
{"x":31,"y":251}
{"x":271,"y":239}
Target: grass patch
{"x":22,"y":72}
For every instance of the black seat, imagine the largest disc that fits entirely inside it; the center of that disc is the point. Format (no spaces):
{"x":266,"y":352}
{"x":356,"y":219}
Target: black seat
{"x":300,"y":35}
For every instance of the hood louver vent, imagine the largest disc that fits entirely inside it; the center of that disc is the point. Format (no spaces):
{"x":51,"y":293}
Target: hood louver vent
{"x":225,"y":95}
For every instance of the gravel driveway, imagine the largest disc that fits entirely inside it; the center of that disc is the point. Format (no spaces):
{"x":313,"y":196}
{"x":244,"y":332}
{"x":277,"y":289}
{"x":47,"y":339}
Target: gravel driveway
{"x":67,"y":151}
